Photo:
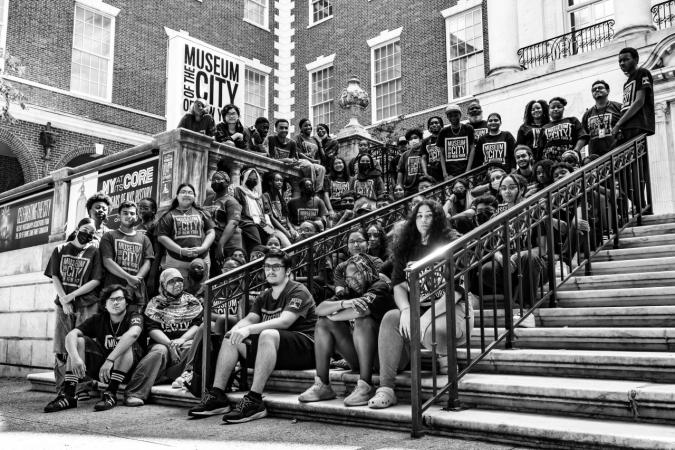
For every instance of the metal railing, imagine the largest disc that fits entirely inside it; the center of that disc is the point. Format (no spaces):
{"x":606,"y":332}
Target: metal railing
{"x":309,"y":260}
{"x":664,"y":14}
{"x":568,"y":44}
{"x":515,"y":262}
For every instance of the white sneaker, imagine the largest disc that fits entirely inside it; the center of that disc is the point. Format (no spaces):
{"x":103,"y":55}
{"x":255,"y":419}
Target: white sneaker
{"x":527,"y":323}
{"x":181,"y":381}
{"x":317,"y":392}
{"x":360,"y":395}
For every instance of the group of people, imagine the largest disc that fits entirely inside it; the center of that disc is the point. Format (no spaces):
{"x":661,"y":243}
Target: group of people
{"x":129,"y":301}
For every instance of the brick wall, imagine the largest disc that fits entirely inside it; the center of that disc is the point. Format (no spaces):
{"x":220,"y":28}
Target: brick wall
{"x":11,"y":175}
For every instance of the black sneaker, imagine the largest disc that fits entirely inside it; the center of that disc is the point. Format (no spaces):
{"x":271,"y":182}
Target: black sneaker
{"x":108,"y":401}
{"x":210,"y":406}
{"x":60,"y":403}
{"x":246,"y":410}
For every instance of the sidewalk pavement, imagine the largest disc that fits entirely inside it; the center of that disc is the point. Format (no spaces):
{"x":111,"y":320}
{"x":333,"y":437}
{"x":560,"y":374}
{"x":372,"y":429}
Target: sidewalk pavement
{"x":24,"y":426}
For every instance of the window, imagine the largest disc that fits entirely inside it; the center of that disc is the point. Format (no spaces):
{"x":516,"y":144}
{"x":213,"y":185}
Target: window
{"x":320,"y":10}
{"x":586,"y":13}
{"x":387,"y":80}
{"x":255,"y":101}
{"x":255,"y":12}
{"x":465,"y":51}
{"x":91,"y":65}
{"x":321,"y":95}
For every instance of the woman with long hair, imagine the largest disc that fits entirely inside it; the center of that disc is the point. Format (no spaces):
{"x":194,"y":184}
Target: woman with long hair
{"x":274,"y":201}
{"x":231,"y":130}
{"x":377,"y":242}
{"x":561,"y":133}
{"x":337,"y":182}
{"x":368,"y":183}
{"x":186,"y":231}
{"x":543,"y":176}
{"x":426,"y":230}
{"x":535,"y":117}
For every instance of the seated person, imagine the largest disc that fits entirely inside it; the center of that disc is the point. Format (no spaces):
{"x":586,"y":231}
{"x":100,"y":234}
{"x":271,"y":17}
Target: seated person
{"x":273,"y":243}
{"x":425,"y":182}
{"x":198,"y":119}
{"x":347,"y":202}
{"x":306,"y":207}
{"x":459,"y":200}
{"x":171,"y":321}
{"x":280,"y":328}
{"x":365,"y":300}
{"x":105,"y":346}
{"x":194,"y":283}
{"x":482,"y":209}
{"x":357,"y":244}
{"x":258,"y":252}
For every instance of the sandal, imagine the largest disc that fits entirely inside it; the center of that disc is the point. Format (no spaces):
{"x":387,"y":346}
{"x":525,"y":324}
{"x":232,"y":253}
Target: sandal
{"x":384,"y":398}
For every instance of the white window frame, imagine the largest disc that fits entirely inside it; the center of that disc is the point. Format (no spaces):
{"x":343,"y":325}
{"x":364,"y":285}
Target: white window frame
{"x":312,"y":22}
{"x":385,"y":38}
{"x":321,"y":63}
{"x":571,"y":9}
{"x":462,"y":7}
{"x":266,"y":16}
{"x":265,"y":96}
{"x":109,"y":11}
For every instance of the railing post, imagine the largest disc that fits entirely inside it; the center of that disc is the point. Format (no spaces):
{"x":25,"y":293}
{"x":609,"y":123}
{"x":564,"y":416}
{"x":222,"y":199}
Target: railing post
{"x":584,"y":216}
{"x":615,"y":205}
{"x":647,"y":178}
{"x":635,"y":179}
{"x":508,"y":289}
{"x":415,"y":354}
{"x":550,"y":243}
{"x":450,"y":318}
{"x":206,"y":338}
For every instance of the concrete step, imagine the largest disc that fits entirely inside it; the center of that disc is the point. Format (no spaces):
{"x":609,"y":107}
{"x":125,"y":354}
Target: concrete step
{"x":620,"y":281}
{"x":627,"y":400}
{"x":654,"y":229}
{"x":646,"y":241}
{"x":634,"y":266}
{"x":626,"y":254}
{"x":653,"y":339}
{"x":593,"y":298}
{"x":658,"y":218}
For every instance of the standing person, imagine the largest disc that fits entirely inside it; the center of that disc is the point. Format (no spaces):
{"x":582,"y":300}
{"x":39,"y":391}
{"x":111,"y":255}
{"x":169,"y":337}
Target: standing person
{"x":401,"y":147}
{"x":258,"y":134}
{"x":495,"y":146}
{"x":457,"y":144}
{"x":368,"y":182}
{"x":171,"y":321}
{"x":599,"y":120}
{"x":226,"y":214}
{"x":274,"y":201}
{"x":98,"y":207}
{"x":475,"y":113}
{"x":431,"y":146}
{"x":366,"y":299}
{"x":561,"y":133}
{"x":536,"y":116}
{"x":306,"y":207}
{"x":364,"y":149}
{"x":76,"y":271}
{"x":185,"y":230}
{"x":425,"y":231}
{"x":280,"y":327}
{"x":147,"y":211}
{"x":127,"y":256}
{"x":412,"y":164}
{"x":104,"y":347}
{"x":254,"y":224}
{"x":231,"y":131}
{"x":330,"y":146}
{"x":638,"y":98}
{"x":337,"y":183}
{"x":310,"y":154}
{"x":198,"y":120}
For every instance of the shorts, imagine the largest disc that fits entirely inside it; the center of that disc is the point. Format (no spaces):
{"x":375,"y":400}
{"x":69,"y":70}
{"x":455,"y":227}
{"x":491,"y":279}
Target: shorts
{"x":296,"y":351}
{"x":95,"y":355}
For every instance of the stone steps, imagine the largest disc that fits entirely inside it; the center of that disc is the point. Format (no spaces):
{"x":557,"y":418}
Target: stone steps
{"x":646,"y":241}
{"x":626,"y":254}
{"x":652,"y":229}
{"x":646,"y":296}
{"x":622,"y":281}
{"x":634,"y":266}
{"x":658,"y":218}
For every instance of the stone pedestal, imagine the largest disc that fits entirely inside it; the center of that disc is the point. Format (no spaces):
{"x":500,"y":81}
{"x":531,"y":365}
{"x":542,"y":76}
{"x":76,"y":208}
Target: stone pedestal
{"x":59,"y":218}
{"x":503,"y":36}
{"x":631,"y":17}
{"x":349,"y":145}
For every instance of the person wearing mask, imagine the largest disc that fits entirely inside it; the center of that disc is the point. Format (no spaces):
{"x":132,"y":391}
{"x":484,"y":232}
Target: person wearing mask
{"x":364,"y":302}
{"x":475,"y":113}
{"x":127,"y":256}
{"x":147,"y":212}
{"x":258,"y":133}
{"x":432,"y":148}
{"x":561,"y":133}
{"x":401,"y":147}
{"x":306,"y":207}
{"x":412,"y":164}
{"x":482,"y":209}
{"x":98,"y":207}
{"x":599,"y":120}
{"x":76,"y":271}
{"x":226,"y":214}
{"x":231,"y":131}
{"x":364,"y":149}
{"x":524,"y":165}
{"x":255,"y":224}
{"x":638,"y":94}
{"x":309,"y":154}
{"x":198,"y":119}
{"x":280,"y":146}
{"x":347,"y":204}
{"x":274,"y":201}
{"x":458,"y":201}
{"x":536,"y":116}
{"x":368,"y":182}
{"x":495,"y":146}
{"x":456,"y":142}
{"x":185,"y":231}
{"x":330,"y":146}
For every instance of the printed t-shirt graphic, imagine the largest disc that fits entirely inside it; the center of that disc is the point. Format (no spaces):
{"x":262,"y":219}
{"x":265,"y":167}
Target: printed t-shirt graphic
{"x":596,"y":119}
{"x":413,"y":165}
{"x":479,"y":129}
{"x":434,"y":153}
{"x":337,"y":188}
{"x":365,"y":188}
{"x":307,"y":214}
{"x":294,"y":298}
{"x":98,"y":328}
{"x":643,"y":119}
{"x":188,"y":226}
{"x":72,"y":269}
{"x":456,"y":149}
{"x":558,"y":137}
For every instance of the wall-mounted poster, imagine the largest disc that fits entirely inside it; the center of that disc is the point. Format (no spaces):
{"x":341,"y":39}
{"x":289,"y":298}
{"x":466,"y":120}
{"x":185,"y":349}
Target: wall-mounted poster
{"x":27,"y":222}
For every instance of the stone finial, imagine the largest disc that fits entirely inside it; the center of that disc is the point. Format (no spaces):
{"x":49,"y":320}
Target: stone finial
{"x":355,"y":99}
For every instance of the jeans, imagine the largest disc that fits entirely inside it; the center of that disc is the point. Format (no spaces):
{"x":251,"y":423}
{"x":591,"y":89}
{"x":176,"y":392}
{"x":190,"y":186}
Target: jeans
{"x":64,"y":324}
{"x":157,"y":366}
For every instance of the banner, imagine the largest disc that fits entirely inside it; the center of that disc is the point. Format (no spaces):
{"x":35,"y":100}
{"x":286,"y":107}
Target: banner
{"x":131,"y":183}
{"x":26,"y":223}
{"x":196,"y":69}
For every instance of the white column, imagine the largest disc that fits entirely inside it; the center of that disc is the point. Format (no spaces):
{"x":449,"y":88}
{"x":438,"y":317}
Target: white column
{"x":662,"y":159}
{"x":631,"y":17}
{"x":503,"y":36}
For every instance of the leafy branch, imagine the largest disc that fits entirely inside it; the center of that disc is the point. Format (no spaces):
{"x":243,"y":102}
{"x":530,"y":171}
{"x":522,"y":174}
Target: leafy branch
{"x":8,"y":92}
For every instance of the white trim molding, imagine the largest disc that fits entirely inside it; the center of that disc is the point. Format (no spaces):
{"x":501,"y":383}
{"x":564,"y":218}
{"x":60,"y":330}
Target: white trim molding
{"x":103,"y":8}
{"x":310,"y":16}
{"x":461,"y":6}
{"x":320,"y":63}
{"x":384,"y":37}
{"x":284,"y":60}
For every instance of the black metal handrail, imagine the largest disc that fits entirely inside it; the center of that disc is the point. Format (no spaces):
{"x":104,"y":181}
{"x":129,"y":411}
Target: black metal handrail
{"x":309,"y":257}
{"x":568,"y":44}
{"x":664,"y":14}
{"x":515,"y":258}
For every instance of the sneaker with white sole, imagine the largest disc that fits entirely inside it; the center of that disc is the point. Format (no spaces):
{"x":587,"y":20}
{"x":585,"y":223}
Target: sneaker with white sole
{"x":60,"y":403}
{"x":183,"y":380}
{"x":212,"y":403}
{"x":317,"y":392}
{"x":248,"y":408}
{"x":360,"y":395}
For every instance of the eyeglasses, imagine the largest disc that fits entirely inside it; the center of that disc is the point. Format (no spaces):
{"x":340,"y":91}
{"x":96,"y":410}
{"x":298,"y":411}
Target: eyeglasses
{"x":273,"y":267}
{"x":356,"y":242}
{"x":116,"y":299}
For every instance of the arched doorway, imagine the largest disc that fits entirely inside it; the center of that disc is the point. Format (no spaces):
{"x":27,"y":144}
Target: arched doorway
{"x":11,"y":173}
{"x":81,"y":159}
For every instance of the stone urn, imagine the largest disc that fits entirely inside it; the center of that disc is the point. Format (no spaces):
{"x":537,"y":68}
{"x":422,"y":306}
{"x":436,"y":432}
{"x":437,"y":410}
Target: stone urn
{"x":355,"y":99}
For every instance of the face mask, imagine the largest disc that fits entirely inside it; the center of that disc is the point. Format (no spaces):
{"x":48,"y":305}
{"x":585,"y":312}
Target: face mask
{"x":251,"y":183}
{"x":459,"y":193}
{"x":196,"y":274}
{"x":364,"y":167}
{"x":307,"y":191}
{"x":84,"y":238}
{"x":218,"y":186}
{"x":482,"y":217}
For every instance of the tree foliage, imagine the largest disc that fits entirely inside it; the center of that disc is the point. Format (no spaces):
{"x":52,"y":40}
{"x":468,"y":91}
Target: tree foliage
{"x":8,"y":92}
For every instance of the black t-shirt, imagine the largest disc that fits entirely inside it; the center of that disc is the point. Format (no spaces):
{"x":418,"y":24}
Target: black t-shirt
{"x":205,"y":125}
{"x":559,"y":136}
{"x":100,"y":328}
{"x":128,"y":251}
{"x":300,"y":209}
{"x":379,"y":296}
{"x":335,"y":189}
{"x":186,"y":230}
{"x":529,"y":135}
{"x":643,"y":119}
{"x":499,"y":148}
{"x":598,"y":124}
{"x":410,"y":165}
{"x":74,"y":267}
{"x":294,"y":298}
{"x":479,"y":129}
{"x":456,"y":147}
{"x":280,"y":150}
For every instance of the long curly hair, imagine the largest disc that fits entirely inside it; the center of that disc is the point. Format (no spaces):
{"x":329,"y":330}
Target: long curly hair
{"x":527,"y":117}
{"x":410,"y":237}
